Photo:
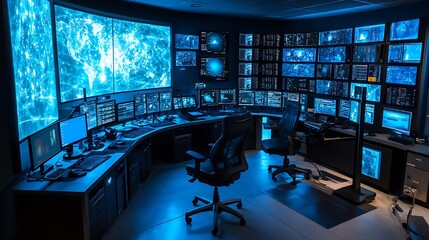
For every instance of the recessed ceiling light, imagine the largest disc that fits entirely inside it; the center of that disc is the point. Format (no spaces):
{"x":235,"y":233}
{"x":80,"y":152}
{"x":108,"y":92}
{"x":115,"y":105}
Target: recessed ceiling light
{"x":195,"y":5}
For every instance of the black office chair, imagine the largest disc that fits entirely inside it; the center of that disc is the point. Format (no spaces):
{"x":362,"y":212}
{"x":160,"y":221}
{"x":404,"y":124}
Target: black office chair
{"x":286,"y":144}
{"x":222,"y":167}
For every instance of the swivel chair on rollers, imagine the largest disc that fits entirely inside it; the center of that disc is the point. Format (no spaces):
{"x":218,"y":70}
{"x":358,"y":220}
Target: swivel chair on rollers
{"x":286,"y":144}
{"x":222,"y":167}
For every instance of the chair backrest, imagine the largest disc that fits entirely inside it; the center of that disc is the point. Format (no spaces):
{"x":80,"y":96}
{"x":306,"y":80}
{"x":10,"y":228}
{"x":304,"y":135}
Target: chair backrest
{"x":227,"y":155}
{"x":288,"y":122}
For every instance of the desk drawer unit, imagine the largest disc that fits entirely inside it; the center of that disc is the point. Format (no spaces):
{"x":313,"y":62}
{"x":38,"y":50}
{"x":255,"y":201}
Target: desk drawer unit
{"x":417,"y":175}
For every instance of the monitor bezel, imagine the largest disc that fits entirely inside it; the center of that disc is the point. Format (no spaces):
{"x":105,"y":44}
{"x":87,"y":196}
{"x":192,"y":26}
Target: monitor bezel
{"x":31,"y":140}
{"x":410,"y":120}
{"x":63,"y":146}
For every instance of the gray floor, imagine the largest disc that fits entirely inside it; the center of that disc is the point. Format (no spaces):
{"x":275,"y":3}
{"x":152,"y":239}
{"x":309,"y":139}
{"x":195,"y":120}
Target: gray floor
{"x":157,"y":210}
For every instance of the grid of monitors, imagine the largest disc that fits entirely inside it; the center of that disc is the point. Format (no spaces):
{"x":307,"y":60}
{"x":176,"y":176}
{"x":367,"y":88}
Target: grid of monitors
{"x":125,"y":111}
{"x":373,"y":91}
{"x":397,"y":120}
{"x":368,"y":34}
{"x":246,"y":97}
{"x":325,"y":106}
{"x":152,"y":102}
{"x":214,"y":69}
{"x":405,"y":53}
{"x":299,"y":54}
{"x":332,"y":54}
{"x":214,"y":42}
{"x":184,"y":102}
{"x":404,"y":30}
{"x":209,"y":97}
{"x":165,"y":101}
{"x":140,"y":104}
{"x":227,"y":96}
{"x":405,"y":75}
{"x":336,"y":37}
{"x":106,"y":112}
{"x":89,"y":108}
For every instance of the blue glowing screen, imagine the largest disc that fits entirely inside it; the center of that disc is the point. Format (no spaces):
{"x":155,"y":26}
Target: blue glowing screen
{"x":405,"y":30}
{"x":371,"y":162}
{"x":186,"y":58}
{"x":406,"y":75}
{"x":344,"y":108}
{"x":397,"y":120}
{"x":297,"y":70}
{"x":33,"y":61}
{"x":325,"y":106}
{"x":299,"y":54}
{"x":332,"y":54}
{"x":412,"y":52}
{"x":185,"y":41}
{"x":354,"y":112}
{"x":373,"y":91}
{"x":367,"y":34}
{"x":142,"y":56}
{"x":215,"y":66}
{"x":334,"y":37}
{"x":106,"y":55}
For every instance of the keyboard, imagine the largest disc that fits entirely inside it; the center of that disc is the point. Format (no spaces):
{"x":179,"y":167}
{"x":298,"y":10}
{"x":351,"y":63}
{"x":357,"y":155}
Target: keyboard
{"x":57,"y":173}
{"x":138,"y":132}
{"x":162,"y":124}
{"x":91,"y":162}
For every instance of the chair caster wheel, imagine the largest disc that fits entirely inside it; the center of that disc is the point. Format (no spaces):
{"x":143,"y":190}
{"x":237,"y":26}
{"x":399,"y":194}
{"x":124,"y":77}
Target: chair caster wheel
{"x":214,"y":231}
{"x":239,"y":205}
{"x":188,"y":220}
{"x":243,"y":222}
{"x":195,"y":201}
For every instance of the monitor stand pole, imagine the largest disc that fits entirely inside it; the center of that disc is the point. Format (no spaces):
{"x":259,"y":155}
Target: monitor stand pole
{"x":354,"y":193}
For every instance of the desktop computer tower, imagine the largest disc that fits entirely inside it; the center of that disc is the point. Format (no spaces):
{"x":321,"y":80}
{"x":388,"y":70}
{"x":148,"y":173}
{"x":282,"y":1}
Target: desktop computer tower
{"x":120,"y":187}
{"x":97,"y":212}
{"x":145,"y":160}
{"x":111,"y":197}
{"x":133,"y":171}
{"x":182,"y":143}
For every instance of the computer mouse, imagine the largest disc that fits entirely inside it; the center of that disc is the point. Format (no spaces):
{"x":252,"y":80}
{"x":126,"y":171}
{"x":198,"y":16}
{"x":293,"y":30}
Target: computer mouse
{"x":112,"y":146}
{"x":76,"y":173}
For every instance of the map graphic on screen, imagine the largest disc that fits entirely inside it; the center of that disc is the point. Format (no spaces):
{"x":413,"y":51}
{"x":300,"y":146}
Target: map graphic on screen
{"x":33,"y":62}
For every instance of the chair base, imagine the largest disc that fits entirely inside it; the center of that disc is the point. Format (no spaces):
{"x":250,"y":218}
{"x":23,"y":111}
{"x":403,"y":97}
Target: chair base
{"x":217,"y":207}
{"x":290,"y":169}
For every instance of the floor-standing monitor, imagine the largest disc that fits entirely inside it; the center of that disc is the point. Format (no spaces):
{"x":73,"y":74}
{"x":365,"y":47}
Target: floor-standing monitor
{"x":44,"y":144}
{"x":72,"y":130}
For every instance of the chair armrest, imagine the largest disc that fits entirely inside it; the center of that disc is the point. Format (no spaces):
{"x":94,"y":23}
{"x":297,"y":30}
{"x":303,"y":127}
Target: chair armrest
{"x":211,"y":145}
{"x":197,"y":156}
{"x":198,"y":159}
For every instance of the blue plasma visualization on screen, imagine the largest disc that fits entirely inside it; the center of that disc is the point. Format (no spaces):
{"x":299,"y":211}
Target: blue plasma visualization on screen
{"x":33,"y":61}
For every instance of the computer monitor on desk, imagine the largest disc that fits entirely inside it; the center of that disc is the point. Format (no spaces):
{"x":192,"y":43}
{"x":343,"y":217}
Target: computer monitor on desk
{"x":152,"y":101}
{"x":89,"y":108}
{"x":165,"y":99}
{"x":397,"y":120}
{"x":72,"y":130}
{"x":44,"y":144}
{"x":106,"y":113}
{"x":125,"y":111}
{"x":325,"y":107}
{"x":184,"y":102}
{"x":209,"y":98}
{"x":139,"y":105}
{"x":227,"y":97}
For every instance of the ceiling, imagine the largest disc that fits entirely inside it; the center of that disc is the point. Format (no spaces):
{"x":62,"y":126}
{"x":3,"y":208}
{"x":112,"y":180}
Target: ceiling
{"x":275,"y":9}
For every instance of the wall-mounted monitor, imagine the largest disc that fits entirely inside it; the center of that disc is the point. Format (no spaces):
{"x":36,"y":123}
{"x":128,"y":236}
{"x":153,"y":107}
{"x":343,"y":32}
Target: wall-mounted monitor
{"x":366,"y":53}
{"x":359,"y":72}
{"x":299,"y":54}
{"x":397,"y":120}
{"x":140,"y":104}
{"x":401,"y":96}
{"x":186,"y":41}
{"x":332,"y":54}
{"x":247,"y":69}
{"x":248,"y":54}
{"x":152,"y":102}
{"x":373,"y":91}
{"x":336,"y":37}
{"x":303,"y":102}
{"x":325,"y":106}
{"x":405,"y":53}
{"x":344,"y":108}
{"x":165,"y":101}
{"x":246,"y":97}
{"x":404,"y":30}
{"x":274,"y":99}
{"x":44,"y":144}
{"x":186,"y":59}
{"x":214,"y":42}
{"x":324,"y":71}
{"x":214,"y":69}
{"x":106,"y":113}
{"x":300,"y":39}
{"x":293,"y":97}
{"x":298,"y":70}
{"x":368,"y":34}
{"x":249,"y":39}
{"x":371,"y":162}
{"x":89,"y":108}
{"x":184,"y":102}
{"x":333,"y":88}
{"x":261,"y":98}
{"x":247,"y":82}
{"x":227,"y":96}
{"x":354,"y":112}
{"x":341,"y":71}
{"x":125,"y":111}
{"x":405,"y":75}
{"x":209,"y":97}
